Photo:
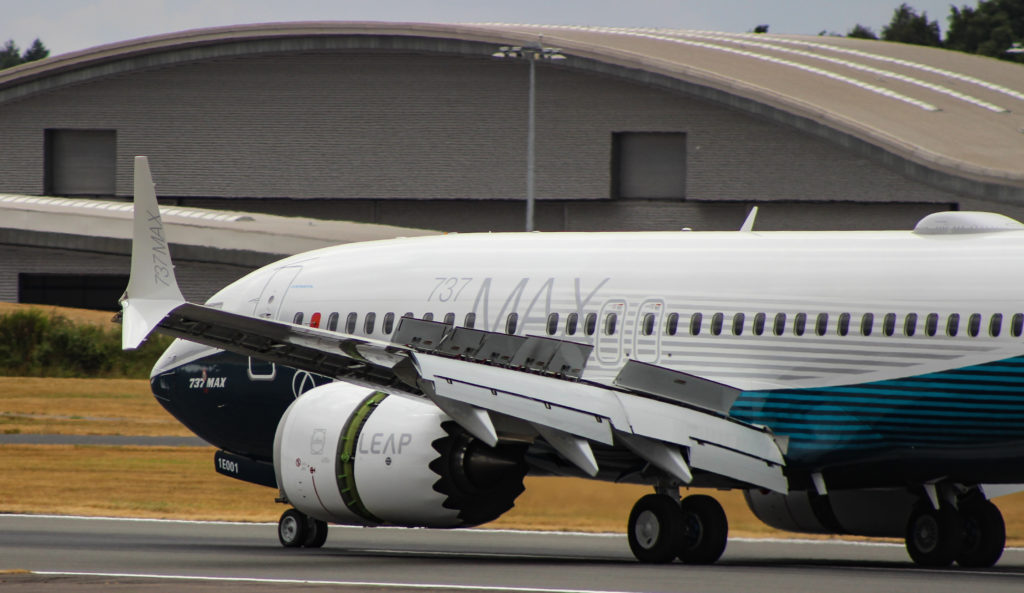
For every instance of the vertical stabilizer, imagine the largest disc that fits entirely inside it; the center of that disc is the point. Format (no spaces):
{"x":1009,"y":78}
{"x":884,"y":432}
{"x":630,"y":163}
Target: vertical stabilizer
{"x":152,"y":288}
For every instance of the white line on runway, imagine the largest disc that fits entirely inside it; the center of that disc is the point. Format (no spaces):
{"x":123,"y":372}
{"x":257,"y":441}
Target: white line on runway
{"x":381,"y":584}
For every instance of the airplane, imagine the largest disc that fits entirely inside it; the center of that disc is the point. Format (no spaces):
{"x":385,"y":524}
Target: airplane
{"x":864,"y":383}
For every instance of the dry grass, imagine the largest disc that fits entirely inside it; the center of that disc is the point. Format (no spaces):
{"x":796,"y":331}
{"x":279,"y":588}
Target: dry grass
{"x":102,"y":318}
{"x":30,"y":405}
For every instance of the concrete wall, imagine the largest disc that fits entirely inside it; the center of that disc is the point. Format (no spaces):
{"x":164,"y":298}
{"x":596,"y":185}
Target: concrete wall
{"x":403,"y":127}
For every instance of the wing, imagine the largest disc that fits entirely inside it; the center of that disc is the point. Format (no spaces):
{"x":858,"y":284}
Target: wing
{"x":489,"y":383}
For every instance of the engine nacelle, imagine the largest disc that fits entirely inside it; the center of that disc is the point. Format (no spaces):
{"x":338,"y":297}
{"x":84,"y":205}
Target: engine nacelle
{"x":353,"y":455}
{"x":873,"y":513}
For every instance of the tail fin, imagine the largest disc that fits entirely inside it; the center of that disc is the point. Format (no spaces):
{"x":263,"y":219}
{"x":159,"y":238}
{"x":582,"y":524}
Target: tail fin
{"x":152,"y":288}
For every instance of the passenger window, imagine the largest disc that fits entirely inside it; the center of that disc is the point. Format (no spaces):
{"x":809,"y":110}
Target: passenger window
{"x":389,"y":324}
{"x":716,"y":323}
{"x":408,"y":314}
{"x":332,"y":322}
{"x":314,"y":321}
{"x":889,"y":324}
{"x":369,"y":322}
{"x":672,"y":324}
{"x":799,"y":324}
{"x":974,"y":325}
{"x":428,"y":317}
{"x":995,"y":325}
{"x":1017,"y":325}
{"x":779,"y":327}
{"x":737,"y":324}
{"x":571,"y":321}
{"x":821,"y":324}
{"x":910,"y":324}
{"x":590,"y":324}
{"x":696,"y":320}
{"x":610,"y":321}
{"x":843,"y":327}
{"x":953,"y":325}
{"x":867,"y":324}
{"x":449,"y":319}
{"x":552,"y":324}
{"x":350,"y":323}
{"x":511,"y":322}
{"x":647,"y":328}
{"x":931,"y":324}
{"x":759,"y":320}
{"x":297,"y":320}
{"x":470,"y":320}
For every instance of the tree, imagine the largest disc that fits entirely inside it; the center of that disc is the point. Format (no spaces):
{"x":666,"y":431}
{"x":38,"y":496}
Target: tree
{"x":761,"y":29}
{"x":9,"y":55}
{"x":859,"y":31}
{"x":990,"y":29}
{"x":36,"y":51}
{"x":907,"y":26}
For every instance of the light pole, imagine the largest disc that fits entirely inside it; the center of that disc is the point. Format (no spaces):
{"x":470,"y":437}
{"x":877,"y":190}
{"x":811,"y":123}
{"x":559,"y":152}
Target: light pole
{"x":531,"y":54}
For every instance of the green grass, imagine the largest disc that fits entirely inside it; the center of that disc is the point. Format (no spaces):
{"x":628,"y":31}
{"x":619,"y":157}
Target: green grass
{"x":34,"y":343}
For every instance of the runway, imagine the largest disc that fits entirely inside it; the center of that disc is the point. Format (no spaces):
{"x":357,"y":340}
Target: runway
{"x":81,"y":554}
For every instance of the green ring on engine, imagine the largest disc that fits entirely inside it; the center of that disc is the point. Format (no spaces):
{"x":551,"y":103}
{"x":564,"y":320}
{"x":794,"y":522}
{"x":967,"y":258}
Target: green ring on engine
{"x":347,"y":456}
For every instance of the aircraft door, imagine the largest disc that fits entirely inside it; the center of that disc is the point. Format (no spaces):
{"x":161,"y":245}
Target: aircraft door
{"x":610,"y":327}
{"x":270,"y":301}
{"x":646,"y":331}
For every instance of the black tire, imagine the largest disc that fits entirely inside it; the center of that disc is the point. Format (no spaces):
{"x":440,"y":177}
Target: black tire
{"x":655,"y":526}
{"x":292,"y":528}
{"x":934,"y":537}
{"x":984,"y":534}
{"x":705,"y":530}
{"x":316,"y":533}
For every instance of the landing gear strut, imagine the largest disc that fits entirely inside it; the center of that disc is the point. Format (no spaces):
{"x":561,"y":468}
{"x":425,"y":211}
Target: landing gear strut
{"x":295,"y":529}
{"x":662,"y":528}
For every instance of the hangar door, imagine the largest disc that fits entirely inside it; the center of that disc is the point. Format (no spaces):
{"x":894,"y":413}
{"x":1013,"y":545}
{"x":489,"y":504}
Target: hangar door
{"x":649,"y":165}
{"x":80,"y":162}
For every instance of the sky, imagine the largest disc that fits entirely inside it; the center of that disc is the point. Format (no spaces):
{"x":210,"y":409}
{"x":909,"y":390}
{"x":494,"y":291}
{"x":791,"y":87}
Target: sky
{"x":72,"y":25}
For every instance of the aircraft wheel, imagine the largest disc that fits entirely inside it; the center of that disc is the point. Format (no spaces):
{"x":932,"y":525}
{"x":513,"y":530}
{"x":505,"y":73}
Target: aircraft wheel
{"x":934,"y":537}
{"x":655,"y":527}
{"x":292,"y":529}
{"x":316,"y":533}
{"x":705,"y":530}
{"x":984,"y":534}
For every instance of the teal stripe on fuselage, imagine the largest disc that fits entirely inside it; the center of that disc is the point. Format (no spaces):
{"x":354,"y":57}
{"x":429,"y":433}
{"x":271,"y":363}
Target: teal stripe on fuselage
{"x":980,"y":404}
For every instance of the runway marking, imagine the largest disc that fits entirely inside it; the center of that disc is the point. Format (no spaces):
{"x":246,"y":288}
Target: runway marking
{"x":381,"y":584}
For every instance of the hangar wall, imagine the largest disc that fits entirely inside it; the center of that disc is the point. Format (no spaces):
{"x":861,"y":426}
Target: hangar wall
{"x":388,"y":134}
{"x":198,"y":280}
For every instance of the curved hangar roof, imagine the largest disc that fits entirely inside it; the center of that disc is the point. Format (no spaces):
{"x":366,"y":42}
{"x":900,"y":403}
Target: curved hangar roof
{"x":947,"y":118}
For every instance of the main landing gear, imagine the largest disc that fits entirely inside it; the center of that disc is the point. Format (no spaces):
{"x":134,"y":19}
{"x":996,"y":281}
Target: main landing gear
{"x":662,"y":528}
{"x":972,"y":535}
{"x":296,"y":530}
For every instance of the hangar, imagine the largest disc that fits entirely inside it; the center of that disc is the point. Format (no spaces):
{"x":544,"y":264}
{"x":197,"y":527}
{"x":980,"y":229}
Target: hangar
{"x":425,"y":125}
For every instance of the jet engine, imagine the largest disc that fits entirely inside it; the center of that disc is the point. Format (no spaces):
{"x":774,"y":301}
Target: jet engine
{"x":874,"y":513}
{"x":353,"y":455}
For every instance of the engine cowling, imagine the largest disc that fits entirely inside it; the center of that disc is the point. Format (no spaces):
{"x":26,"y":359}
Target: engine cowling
{"x":873,"y":513}
{"x":353,"y":455}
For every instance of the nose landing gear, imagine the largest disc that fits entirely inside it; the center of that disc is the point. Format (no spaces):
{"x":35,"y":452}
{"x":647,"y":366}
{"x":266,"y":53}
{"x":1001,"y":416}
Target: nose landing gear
{"x":661,"y":528}
{"x":296,"y":529}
